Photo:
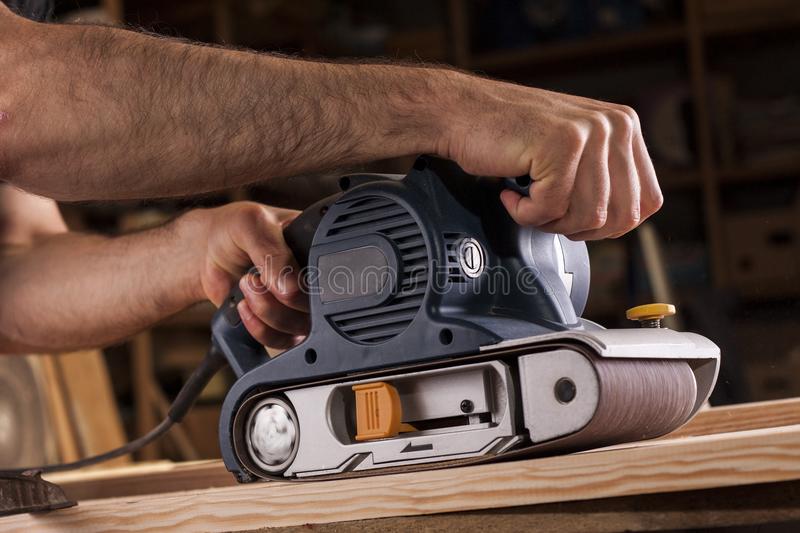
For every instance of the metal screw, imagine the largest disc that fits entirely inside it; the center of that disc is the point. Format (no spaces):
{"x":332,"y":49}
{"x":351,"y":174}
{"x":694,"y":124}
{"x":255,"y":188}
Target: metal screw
{"x":650,"y":323}
{"x":467,"y":406}
{"x":565,"y":390}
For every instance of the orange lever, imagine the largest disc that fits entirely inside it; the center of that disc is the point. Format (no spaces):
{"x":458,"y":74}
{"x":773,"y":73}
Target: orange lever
{"x":378,"y":411}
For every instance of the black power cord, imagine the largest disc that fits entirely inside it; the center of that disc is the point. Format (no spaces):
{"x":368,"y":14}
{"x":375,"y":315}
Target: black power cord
{"x":212,"y":363}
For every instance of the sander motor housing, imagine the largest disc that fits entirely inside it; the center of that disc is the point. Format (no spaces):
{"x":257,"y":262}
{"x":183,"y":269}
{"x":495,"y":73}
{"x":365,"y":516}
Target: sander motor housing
{"x":404,"y":272}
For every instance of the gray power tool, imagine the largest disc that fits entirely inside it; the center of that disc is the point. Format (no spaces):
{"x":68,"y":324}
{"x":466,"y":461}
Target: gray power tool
{"x":444,"y":333}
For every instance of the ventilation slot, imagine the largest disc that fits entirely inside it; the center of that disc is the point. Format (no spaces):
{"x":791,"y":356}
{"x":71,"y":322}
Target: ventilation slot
{"x":454,"y":273}
{"x":386,"y":217}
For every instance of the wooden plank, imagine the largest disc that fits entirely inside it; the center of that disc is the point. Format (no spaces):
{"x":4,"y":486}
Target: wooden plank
{"x":741,"y":417}
{"x":144,"y":478}
{"x":177,"y":434}
{"x":774,"y":503}
{"x":59,"y":416}
{"x":143,"y":376}
{"x":692,"y":463}
{"x":89,"y":396}
{"x":151,"y":478}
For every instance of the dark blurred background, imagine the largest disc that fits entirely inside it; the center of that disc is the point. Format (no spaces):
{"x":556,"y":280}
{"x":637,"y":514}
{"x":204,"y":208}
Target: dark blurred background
{"x":715,"y":82}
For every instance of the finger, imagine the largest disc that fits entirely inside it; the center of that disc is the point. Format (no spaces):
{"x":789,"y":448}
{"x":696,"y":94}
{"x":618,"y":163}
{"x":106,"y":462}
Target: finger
{"x":588,"y":209}
{"x":553,"y":178}
{"x":271,"y":311}
{"x":261,"y":332}
{"x":546,"y":202}
{"x":283,"y":283}
{"x":285,"y":216}
{"x":651,"y":198}
{"x":624,"y":211}
{"x":265,"y":246}
{"x":216,"y":283}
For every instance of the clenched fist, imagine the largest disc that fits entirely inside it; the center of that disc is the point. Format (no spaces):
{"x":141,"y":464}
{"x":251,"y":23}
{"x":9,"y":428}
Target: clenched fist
{"x":592,"y":175}
{"x":244,"y":244}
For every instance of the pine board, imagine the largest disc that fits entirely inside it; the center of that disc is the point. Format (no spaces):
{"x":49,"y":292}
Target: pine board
{"x":681,"y":464}
{"x":164,"y":476}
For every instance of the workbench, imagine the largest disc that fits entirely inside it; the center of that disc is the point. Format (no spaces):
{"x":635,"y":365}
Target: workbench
{"x":732,"y":465}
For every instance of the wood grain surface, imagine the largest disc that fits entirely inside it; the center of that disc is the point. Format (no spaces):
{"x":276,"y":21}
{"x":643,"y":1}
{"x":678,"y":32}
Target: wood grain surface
{"x":165,"y":476}
{"x":777,"y":504}
{"x":143,"y":478}
{"x":740,"y":417}
{"x":681,"y":464}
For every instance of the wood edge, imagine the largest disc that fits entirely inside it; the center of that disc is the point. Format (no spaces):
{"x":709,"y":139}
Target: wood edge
{"x":165,"y":476}
{"x":723,"y":460}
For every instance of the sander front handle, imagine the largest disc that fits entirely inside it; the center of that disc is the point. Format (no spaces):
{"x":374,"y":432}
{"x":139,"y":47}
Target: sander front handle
{"x":228,"y":332}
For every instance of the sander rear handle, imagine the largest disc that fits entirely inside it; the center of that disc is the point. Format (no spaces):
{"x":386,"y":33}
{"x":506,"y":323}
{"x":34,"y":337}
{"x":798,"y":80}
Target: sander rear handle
{"x":228,"y":333}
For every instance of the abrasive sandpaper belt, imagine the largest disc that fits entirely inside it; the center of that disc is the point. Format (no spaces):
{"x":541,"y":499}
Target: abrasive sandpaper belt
{"x":639,"y":399}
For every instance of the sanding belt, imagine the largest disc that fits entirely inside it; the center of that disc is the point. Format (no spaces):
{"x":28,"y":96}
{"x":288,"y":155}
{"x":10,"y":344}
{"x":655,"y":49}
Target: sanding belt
{"x":638,"y":399}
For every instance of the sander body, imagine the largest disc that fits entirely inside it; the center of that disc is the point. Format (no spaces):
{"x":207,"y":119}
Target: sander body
{"x":443,"y":333}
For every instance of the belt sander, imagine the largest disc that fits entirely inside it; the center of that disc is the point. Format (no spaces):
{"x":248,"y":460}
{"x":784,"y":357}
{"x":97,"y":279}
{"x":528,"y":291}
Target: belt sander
{"x":444,"y":333}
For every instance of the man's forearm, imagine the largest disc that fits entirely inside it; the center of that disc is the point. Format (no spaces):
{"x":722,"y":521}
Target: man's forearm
{"x":97,"y":112}
{"x":73,"y":291}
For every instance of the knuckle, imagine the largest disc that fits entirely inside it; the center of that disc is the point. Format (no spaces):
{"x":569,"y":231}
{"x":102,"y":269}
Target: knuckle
{"x":629,"y":222}
{"x":249,"y":212}
{"x":254,"y":216}
{"x":250,"y":282}
{"x":629,"y":111}
{"x":634,"y":218}
{"x":596,"y":219}
{"x":623,"y":123}
{"x":260,"y":305}
{"x":600,"y":122}
{"x":574,"y":136}
{"x":657,"y":201}
{"x":652,"y":203}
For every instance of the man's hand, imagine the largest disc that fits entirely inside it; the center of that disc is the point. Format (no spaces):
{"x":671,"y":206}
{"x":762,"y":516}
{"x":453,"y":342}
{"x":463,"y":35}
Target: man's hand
{"x":65,"y":291}
{"x":592,"y":175}
{"x":244,"y":235}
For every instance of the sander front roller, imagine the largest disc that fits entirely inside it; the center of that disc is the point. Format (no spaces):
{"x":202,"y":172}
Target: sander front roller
{"x":443,"y":333}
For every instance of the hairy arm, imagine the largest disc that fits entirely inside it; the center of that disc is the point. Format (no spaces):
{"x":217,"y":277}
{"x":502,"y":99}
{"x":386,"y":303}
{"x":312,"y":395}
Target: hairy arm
{"x":99,"y":112}
{"x":63,"y":290}
{"x":92,"y":112}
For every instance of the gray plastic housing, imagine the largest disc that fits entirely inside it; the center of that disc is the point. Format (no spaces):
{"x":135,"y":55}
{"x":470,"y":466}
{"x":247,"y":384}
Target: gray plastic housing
{"x":427,"y":307}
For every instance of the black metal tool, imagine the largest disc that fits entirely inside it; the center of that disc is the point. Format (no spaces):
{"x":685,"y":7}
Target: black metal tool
{"x":29,"y":493}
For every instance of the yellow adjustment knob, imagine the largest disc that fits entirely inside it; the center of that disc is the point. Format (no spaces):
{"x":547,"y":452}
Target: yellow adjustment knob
{"x":650,"y":314}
